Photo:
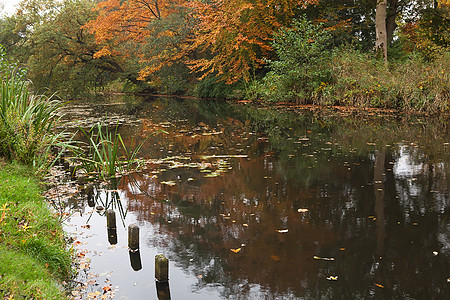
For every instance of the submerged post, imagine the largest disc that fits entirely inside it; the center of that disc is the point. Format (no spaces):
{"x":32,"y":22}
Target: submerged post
{"x":161,"y":268}
{"x":133,"y":238}
{"x":111,"y":219}
{"x":90,"y":190}
{"x":163,"y":290}
{"x":112,"y":236}
{"x":135,"y":260}
{"x":111,"y":225}
{"x":90,"y":194}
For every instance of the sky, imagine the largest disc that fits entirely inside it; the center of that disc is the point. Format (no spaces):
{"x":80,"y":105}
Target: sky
{"x":8,"y":6}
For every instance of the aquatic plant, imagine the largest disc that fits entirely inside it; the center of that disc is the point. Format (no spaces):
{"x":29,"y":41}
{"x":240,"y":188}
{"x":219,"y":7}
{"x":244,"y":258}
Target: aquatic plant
{"x":106,"y":152}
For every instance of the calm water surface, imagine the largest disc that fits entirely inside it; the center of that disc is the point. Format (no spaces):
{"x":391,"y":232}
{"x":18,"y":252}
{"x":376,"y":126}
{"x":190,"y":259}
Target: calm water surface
{"x":255,"y":204}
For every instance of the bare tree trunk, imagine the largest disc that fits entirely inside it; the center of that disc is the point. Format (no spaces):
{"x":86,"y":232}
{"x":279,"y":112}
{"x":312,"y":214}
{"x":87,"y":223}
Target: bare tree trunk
{"x":380,"y":28}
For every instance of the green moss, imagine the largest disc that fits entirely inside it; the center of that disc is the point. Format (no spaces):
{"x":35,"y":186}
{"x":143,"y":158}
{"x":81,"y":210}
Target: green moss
{"x":32,"y":246}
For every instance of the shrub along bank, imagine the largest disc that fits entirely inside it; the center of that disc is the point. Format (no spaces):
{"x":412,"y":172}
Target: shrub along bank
{"x":34,"y":259}
{"x":310,"y":71}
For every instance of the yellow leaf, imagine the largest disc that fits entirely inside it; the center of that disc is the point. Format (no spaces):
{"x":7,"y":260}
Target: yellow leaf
{"x":275,"y":257}
{"x":236,"y":250}
{"x":282,"y":230}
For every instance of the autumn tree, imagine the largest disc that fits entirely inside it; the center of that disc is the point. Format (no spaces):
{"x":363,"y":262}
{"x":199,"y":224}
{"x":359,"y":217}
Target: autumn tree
{"x":223,"y":37}
{"x":429,"y":31}
{"x":235,"y":35}
{"x":147,"y":34}
{"x":48,"y":36}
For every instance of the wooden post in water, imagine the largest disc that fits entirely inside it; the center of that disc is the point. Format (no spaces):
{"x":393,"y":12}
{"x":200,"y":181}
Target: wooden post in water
{"x":90,"y":190}
{"x":161,"y":268}
{"x":133,"y":238}
{"x":111,"y":224}
{"x":111,"y":219}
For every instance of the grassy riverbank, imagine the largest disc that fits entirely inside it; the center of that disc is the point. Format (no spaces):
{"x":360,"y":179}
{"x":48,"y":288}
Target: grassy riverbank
{"x":34,"y":260}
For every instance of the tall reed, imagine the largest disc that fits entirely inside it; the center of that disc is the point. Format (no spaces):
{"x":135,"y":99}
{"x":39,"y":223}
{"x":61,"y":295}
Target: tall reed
{"x":106,"y":152}
{"x":27,"y":122}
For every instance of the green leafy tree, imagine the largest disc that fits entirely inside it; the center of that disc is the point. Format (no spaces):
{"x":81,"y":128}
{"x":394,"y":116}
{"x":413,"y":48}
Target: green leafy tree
{"x":301,"y":69}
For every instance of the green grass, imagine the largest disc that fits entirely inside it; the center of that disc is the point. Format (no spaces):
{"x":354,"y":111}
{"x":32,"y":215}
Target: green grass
{"x":34,"y":259}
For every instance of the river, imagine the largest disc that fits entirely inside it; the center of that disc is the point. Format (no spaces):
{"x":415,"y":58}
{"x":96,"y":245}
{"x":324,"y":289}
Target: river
{"x":251,"y":203}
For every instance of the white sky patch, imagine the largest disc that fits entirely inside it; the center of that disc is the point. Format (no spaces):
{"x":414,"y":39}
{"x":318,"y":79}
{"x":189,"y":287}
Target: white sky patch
{"x":8,"y":7}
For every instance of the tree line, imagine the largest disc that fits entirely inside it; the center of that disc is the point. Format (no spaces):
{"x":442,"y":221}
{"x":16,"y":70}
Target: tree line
{"x":256,"y":49}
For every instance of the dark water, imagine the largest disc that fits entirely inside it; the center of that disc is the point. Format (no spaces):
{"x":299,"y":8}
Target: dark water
{"x":257,"y":204}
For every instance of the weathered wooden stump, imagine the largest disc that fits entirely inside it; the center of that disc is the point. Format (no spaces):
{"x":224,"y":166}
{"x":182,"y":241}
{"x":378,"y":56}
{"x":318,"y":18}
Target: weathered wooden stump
{"x":133,"y":238}
{"x":161,"y":268}
{"x":90,"y":190}
{"x":111,"y":219}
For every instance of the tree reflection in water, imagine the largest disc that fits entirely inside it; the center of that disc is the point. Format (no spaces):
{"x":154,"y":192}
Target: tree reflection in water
{"x":324,"y":207}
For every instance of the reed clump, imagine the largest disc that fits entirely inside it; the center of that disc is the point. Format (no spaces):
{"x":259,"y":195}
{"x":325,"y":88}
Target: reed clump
{"x":27,"y":120}
{"x":105,"y":152}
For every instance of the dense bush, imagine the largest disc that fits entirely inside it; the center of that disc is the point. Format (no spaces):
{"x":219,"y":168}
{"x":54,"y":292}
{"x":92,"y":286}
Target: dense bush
{"x":307,"y":71}
{"x":301,"y":69}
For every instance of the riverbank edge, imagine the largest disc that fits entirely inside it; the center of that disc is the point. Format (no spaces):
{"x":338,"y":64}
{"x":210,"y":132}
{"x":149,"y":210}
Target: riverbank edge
{"x":292,"y":106}
{"x":35,"y":260}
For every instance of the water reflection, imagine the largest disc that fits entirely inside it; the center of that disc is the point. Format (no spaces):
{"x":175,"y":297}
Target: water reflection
{"x":315,"y":205}
{"x":135,"y":260}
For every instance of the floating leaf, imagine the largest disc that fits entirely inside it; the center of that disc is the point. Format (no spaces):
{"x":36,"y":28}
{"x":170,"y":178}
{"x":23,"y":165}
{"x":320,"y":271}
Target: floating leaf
{"x":282,"y":230}
{"x":236,"y":250}
{"x":302,"y":210}
{"x":323,"y":258}
{"x":379,"y":285}
{"x":169,"y":183}
{"x":275,"y":258}
{"x":332,"y":278}
{"x":107,"y":288}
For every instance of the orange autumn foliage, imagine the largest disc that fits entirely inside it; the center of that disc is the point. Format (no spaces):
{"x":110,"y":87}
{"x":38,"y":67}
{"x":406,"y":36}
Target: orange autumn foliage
{"x":123,"y":21}
{"x":237,"y":34}
{"x":227,"y":38}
